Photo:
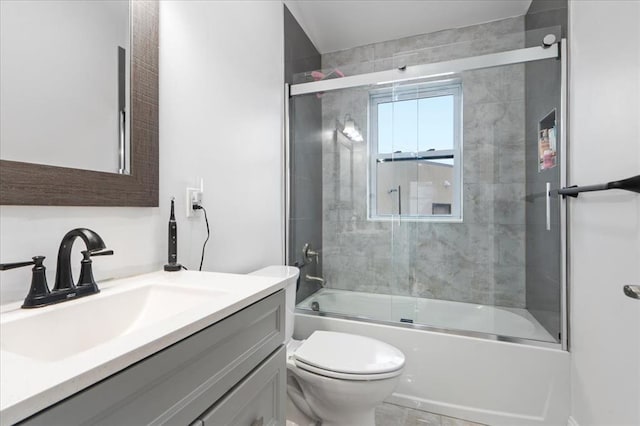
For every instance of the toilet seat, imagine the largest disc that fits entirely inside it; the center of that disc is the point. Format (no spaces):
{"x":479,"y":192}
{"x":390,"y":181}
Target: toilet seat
{"x":345,"y":376}
{"x":348,"y":357}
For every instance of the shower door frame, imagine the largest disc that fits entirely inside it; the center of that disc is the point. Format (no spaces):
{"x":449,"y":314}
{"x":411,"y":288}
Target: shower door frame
{"x":441,"y":69}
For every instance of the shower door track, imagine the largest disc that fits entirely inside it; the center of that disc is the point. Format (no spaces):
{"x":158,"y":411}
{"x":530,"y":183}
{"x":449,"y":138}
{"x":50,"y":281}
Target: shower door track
{"x":437,"y":69}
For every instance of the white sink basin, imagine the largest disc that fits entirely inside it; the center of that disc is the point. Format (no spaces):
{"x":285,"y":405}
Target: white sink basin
{"x":57,"y":332}
{"x":48,"y":354}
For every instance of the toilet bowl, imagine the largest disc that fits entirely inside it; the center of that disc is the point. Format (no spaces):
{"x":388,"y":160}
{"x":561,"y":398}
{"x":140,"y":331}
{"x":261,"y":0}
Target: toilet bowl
{"x":335,"y":378}
{"x":343,"y":377}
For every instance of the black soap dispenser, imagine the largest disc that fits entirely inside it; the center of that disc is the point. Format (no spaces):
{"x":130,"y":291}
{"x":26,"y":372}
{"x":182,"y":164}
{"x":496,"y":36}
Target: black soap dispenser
{"x":173,"y":264}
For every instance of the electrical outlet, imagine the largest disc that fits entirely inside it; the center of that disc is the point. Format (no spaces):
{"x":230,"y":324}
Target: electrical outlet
{"x":193,"y":196}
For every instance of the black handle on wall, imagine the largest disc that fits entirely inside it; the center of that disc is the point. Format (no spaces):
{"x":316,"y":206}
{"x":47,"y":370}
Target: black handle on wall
{"x":629,"y":184}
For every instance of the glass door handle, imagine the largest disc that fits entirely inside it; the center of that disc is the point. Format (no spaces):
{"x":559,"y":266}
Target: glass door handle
{"x":633,"y":291}
{"x":548,"y":206}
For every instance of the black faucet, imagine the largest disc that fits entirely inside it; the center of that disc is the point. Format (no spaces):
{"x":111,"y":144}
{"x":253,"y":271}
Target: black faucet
{"x":64,"y":288}
{"x":94,"y":244}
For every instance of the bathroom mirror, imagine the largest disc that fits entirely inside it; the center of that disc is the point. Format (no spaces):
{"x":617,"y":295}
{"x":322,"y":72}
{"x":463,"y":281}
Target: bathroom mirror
{"x":64,"y":65}
{"x":123,"y":174}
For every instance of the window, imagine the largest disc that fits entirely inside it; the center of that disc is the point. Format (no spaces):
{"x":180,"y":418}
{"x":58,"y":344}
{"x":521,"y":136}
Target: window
{"x":415,"y":167}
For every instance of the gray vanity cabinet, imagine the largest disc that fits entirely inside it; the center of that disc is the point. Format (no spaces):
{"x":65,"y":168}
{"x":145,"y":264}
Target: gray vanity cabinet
{"x":230,"y":373}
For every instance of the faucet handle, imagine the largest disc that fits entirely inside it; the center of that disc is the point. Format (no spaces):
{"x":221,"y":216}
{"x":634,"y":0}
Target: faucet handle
{"x":99,"y":253}
{"x":39,"y":289}
{"x":7,"y":266}
{"x":35,"y":260}
{"x":86,"y":280}
{"x":310,"y":254}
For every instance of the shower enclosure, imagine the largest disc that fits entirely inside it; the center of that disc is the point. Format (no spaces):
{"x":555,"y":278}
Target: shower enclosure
{"x":418,"y":185}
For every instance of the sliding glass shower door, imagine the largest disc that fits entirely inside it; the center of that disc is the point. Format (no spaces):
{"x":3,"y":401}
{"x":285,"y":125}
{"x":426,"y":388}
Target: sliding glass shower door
{"x":434,"y":196}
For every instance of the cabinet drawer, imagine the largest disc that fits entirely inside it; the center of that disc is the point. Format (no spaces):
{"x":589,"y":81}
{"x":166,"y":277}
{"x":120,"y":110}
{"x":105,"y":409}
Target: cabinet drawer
{"x":259,"y":400}
{"x":177,"y":384}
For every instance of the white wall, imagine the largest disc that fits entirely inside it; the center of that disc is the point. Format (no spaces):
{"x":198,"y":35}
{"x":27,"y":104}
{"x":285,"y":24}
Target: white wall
{"x":604,"y":227}
{"x":221,"y":108}
{"x":221,"y":102}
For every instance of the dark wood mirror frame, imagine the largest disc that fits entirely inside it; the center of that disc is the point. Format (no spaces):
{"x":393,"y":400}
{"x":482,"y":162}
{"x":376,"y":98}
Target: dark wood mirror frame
{"x":41,"y":185}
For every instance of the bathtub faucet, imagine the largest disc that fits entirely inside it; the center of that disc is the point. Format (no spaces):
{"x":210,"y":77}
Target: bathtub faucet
{"x":309,"y":254}
{"x":316,"y":279}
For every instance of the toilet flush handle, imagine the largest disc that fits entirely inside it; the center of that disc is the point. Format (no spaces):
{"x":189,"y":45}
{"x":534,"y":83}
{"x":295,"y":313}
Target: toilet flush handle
{"x":633,"y":291}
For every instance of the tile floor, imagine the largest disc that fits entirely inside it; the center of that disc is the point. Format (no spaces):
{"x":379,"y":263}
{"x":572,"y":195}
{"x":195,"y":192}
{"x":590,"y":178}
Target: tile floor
{"x":389,"y":415}
{"x":394,"y":415}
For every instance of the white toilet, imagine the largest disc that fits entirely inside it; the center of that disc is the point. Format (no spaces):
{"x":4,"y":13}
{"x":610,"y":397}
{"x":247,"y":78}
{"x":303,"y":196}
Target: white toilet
{"x":336,"y":378}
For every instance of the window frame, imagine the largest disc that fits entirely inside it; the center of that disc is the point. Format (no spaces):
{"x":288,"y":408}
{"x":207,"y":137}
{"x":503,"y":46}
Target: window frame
{"x":449,"y":87}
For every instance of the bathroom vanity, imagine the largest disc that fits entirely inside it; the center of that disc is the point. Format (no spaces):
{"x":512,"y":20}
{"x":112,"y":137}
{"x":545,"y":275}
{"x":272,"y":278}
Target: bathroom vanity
{"x":219,"y":355}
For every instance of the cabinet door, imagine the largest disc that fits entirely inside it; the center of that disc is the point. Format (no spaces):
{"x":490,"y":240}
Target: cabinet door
{"x":259,"y":400}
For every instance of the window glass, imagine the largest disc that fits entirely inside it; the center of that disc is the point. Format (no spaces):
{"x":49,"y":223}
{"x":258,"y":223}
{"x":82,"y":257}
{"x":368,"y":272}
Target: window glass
{"x":398,"y":126}
{"x":435,"y":123}
{"x":425,"y":188}
{"x":405,"y":126}
{"x":415,"y":169}
{"x":385,"y":129}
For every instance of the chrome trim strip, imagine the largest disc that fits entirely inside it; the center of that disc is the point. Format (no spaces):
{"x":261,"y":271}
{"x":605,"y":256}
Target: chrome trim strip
{"x":122,"y":114}
{"x":287,"y":174}
{"x":564,"y":230}
{"x":423,"y":327}
{"x":122,"y":154}
{"x":428,"y":70}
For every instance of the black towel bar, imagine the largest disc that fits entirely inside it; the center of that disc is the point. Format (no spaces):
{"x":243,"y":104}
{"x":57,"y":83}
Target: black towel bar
{"x":630,"y":184}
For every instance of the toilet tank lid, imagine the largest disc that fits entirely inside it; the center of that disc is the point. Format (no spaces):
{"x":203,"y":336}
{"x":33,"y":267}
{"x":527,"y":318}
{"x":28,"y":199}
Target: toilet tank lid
{"x":278,"y":271}
{"x":349,"y":353}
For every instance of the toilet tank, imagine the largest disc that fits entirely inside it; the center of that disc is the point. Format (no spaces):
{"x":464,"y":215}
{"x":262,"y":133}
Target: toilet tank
{"x":289,"y":273}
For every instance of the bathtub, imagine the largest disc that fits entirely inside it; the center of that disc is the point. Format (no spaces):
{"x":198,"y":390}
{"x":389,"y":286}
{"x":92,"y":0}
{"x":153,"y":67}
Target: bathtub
{"x":465,"y":376}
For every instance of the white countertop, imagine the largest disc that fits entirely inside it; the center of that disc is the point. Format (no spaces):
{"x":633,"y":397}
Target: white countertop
{"x":28,"y":385}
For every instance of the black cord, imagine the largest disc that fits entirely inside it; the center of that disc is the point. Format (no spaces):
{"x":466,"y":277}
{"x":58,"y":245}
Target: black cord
{"x":199,"y":207}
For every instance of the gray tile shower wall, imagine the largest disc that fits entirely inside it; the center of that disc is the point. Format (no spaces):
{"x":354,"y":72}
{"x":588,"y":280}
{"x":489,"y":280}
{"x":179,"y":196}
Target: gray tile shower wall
{"x":542,"y":85}
{"x":306,"y":155}
{"x":481,"y":260}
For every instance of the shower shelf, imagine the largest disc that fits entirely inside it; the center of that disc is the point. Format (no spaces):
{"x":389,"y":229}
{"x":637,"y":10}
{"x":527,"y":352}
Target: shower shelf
{"x":629,"y":184}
